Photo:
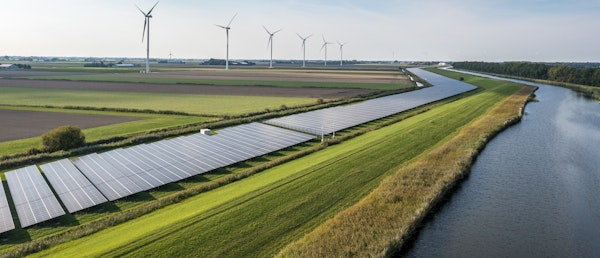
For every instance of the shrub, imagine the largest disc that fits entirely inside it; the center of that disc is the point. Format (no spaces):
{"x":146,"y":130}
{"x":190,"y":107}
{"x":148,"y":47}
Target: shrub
{"x":63,"y":138}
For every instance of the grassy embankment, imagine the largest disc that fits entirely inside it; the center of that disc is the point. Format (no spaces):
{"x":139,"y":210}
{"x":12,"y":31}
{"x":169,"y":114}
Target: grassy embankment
{"x":591,"y":91}
{"x":259,"y":215}
{"x":380,"y":224}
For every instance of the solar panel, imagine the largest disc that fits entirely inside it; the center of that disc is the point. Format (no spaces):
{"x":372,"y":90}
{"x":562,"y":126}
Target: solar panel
{"x":33,"y":199}
{"x":140,"y":178}
{"x":329,"y":120}
{"x":143,"y":168}
{"x":157,"y":165}
{"x":74,"y":190}
{"x":6,"y":220}
{"x":111,"y":182}
{"x":172,"y":162}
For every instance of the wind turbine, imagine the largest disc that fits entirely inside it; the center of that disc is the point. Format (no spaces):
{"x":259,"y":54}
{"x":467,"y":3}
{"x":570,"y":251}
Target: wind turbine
{"x":304,"y":48}
{"x":325,"y":43}
{"x":147,"y":17}
{"x":342,"y":52}
{"x":271,"y":43}
{"x":227,"y":34}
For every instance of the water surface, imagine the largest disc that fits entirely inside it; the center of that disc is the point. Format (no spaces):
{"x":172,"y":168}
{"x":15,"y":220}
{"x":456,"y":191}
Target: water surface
{"x":533,"y":192}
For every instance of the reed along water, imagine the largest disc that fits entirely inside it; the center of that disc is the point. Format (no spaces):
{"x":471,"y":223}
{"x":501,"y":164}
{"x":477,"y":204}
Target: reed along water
{"x":534,"y":191}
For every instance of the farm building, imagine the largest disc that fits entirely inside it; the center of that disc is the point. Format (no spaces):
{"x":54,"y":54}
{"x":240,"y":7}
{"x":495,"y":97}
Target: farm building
{"x":8,"y":67}
{"x":126,"y":65}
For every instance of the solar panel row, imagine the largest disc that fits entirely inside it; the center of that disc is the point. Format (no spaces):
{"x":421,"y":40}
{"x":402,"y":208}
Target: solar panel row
{"x":74,"y":190}
{"x":122,"y":172}
{"x":327,"y":121}
{"x":33,"y":199}
{"x":6,"y":221}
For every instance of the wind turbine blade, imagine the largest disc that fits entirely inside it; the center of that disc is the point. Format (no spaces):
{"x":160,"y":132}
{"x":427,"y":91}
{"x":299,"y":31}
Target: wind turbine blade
{"x":143,"y":13}
{"x":152,"y":8}
{"x":269,"y":43}
{"x":277,"y":31}
{"x":323,"y":46}
{"x":144,"y":31}
{"x":266,"y":29}
{"x":300,"y":36}
{"x":229,"y":24}
{"x":309,"y":36}
{"x":221,"y":26}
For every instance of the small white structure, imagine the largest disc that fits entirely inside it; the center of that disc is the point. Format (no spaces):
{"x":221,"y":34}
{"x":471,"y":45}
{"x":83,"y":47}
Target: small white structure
{"x":7,"y":66}
{"x":125,"y":65}
{"x":205,"y":131}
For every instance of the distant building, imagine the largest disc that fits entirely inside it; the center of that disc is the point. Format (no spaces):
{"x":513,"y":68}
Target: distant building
{"x":8,"y":67}
{"x":126,"y":65}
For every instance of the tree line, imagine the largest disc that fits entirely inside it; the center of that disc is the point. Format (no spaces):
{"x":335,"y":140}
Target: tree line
{"x":558,"y":73}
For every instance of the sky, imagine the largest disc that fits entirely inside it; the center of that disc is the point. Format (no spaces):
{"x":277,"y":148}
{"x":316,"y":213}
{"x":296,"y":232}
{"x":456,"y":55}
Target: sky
{"x":431,"y":30}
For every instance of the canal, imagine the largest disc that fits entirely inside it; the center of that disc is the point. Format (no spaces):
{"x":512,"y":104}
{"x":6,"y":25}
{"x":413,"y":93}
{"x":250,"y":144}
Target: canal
{"x":534,"y":191}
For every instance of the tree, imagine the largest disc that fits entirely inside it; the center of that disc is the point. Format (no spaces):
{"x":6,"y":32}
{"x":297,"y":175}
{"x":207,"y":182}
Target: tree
{"x":63,"y":138}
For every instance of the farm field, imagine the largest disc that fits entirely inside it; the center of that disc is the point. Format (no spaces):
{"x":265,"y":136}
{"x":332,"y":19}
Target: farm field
{"x":274,"y":78}
{"x":27,"y":123}
{"x":189,"y":103}
{"x":128,"y":123}
{"x":259,"y":215}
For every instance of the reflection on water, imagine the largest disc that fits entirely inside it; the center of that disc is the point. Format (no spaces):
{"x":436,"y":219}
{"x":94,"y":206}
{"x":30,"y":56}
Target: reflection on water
{"x":533,"y":192}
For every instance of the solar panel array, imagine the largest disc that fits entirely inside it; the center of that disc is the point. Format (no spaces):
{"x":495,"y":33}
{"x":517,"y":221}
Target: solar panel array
{"x":33,"y":199}
{"x":6,"y":221}
{"x":329,"y":120}
{"x":95,"y":178}
{"x":74,"y":190}
{"x":123,"y":172}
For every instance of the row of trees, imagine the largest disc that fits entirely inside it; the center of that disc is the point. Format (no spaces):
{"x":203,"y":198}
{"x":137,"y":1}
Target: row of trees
{"x":558,"y":73}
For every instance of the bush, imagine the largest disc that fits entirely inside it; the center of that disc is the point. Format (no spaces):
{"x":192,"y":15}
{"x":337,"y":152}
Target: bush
{"x":63,"y":138}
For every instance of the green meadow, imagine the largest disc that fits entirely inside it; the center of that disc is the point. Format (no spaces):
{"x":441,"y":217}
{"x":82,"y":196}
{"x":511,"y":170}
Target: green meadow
{"x":188,"y":103}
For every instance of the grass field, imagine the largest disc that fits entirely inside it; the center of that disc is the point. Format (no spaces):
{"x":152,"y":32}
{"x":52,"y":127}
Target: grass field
{"x":259,"y":215}
{"x":293,"y":84}
{"x":149,"y":122}
{"x":189,"y":103}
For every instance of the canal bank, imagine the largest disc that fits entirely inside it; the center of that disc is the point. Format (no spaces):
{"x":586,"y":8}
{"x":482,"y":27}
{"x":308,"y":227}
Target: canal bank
{"x":534,"y":191}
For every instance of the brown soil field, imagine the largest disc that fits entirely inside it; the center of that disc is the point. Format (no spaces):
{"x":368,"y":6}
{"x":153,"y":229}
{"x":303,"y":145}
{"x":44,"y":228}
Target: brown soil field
{"x":185,"y":89}
{"x":282,"y":75}
{"x":19,"y":124}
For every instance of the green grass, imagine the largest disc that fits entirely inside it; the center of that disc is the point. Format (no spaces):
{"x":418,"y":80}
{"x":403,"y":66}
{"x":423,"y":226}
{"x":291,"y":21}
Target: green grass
{"x":259,"y":215}
{"x":189,"y":103}
{"x":149,"y":122}
{"x":292,"y":84}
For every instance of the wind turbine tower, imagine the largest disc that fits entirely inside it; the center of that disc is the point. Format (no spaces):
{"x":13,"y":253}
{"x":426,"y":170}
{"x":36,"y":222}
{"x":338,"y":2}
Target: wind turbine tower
{"x":147,"y":17}
{"x":271,"y":44}
{"x":325,"y":43}
{"x":304,"y":48}
{"x":227,"y":34}
{"x":342,"y":52}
